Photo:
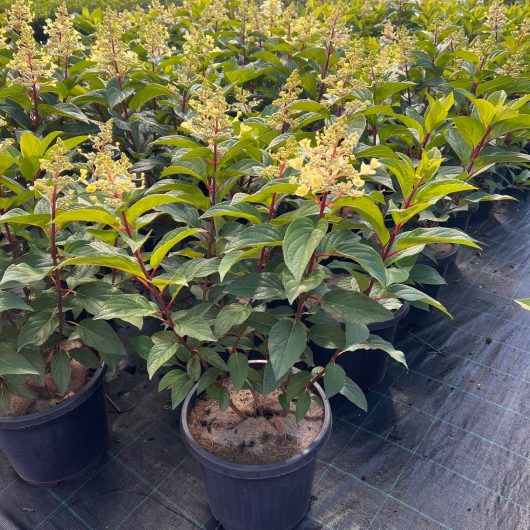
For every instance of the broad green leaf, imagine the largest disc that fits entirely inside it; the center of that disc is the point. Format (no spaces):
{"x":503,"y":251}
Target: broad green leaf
{"x":61,"y":370}
{"x":220,"y":394}
{"x":148,"y":92}
{"x":229,"y":316}
{"x":440,"y":188}
{"x":407,"y":292}
{"x":99,"y":335}
{"x":160,"y":353}
{"x":297,"y":384}
{"x":354,"y":307}
{"x":264,"y":286}
{"x":17,"y":216}
{"x":301,"y":239}
{"x":334,"y":379}
{"x":208,"y":378}
{"x":255,"y":236}
{"x":10,"y":301}
{"x":369,"y":211}
{"x":302,"y":405}
{"x":37,"y":329}
{"x":355,"y":334}
{"x":12,"y":364}
{"x":287,"y":342}
{"x":368,"y":258}
{"x":524,"y":303}
{"x":90,"y":215}
{"x":240,"y":210}
{"x":440,"y":234}
{"x":238,"y":367}
{"x":231,"y":258}
{"x":212,"y":357}
{"x":126,"y":307}
{"x":149,"y":202}
{"x":194,"y":327}
{"x":21,"y":274}
{"x":118,"y":262}
{"x":294,"y":287}
{"x":471,"y":130}
{"x":169,"y":240}
{"x":377,"y":343}
{"x":353,"y":392}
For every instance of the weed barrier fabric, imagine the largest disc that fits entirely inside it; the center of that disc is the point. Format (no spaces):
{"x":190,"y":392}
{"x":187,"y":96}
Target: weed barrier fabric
{"x":444,"y":445}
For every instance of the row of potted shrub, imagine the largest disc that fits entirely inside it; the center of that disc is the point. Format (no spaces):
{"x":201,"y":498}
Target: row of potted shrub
{"x":275,"y":187}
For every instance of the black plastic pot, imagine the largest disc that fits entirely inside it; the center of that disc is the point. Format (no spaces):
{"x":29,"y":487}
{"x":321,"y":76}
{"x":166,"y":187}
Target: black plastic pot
{"x":257,"y":497}
{"x":60,"y":443}
{"x":483,"y":213}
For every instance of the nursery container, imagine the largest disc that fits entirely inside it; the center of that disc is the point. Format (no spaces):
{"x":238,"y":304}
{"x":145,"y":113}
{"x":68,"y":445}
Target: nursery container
{"x":61,"y":443}
{"x":272,"y":496}
{"x":484,"y":211}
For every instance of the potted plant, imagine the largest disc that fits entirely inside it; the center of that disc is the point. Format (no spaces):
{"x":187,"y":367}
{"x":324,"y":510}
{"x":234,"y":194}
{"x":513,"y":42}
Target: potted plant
{"x":53,"y":423}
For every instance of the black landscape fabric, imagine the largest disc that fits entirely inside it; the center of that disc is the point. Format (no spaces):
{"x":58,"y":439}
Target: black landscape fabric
{"x":444,"y":445}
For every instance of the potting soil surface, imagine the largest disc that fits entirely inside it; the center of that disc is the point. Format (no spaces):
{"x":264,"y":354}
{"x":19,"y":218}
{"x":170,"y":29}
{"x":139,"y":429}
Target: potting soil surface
{"x":444,"y":444}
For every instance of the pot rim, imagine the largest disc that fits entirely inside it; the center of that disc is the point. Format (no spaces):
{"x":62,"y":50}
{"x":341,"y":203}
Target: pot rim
{"x":38,"y":418}
{"x":254,"y":471}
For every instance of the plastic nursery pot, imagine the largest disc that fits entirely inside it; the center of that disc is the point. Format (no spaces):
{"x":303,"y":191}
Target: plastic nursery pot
{"x":61,"y":443}
{"x":483,"y":213}
{"x":442,"y":260}
{"x":257,"y":497}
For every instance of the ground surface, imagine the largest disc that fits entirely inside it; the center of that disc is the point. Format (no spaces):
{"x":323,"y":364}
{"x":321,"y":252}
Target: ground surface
{"x":444,"y":445}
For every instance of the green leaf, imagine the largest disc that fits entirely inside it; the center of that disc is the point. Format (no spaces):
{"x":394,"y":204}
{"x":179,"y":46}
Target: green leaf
{"x":17,"y":216}
{"x":301,"y":239}
{"x":220,"y":394}
{"x":61,"y":370}
{"x":169,"y":240}
{"x":148,"y":92}
{"x":190,"y":166}
{"x":149,"y":202}
{"x":11,"y":301}
{"x":334,"y":379}
{"x":194,"y":368}
{"x":121,"y":263}
{"x":440,"y":234}
{"x":99,"y":335}
{"x":407,"y":292}
{"x":161,"y":352}
{"x":523,"y":302}
{"x":208,"y":378}
{"x":354,"y":307}
{"x":194,"y":327}
{"x":377,"y":343}
{"x":37,"y":329}
{"x":264,"y":286}
{"x":287,"y":342}
{"x":471,"y":130}
{"x":369,"y":211}
{"x":353,"y":392}
{"x":21,"y":274}
{"x":90,"y":215}
{"x":368,"y":258}
{"x":30,"y":145}
{"x":355,"y":335}
{"x":297,"y":384}
{"x":440,"y":188}
{"x":126,"y":307}
{"x":240,"y":210}
{"x":302,"y":405}
{"x":11,"y":364}
{"x":212,"y":357}
{"x":255,"y":236}
{"x":229,"y":316}
{"x":293,"y":287}
{"x":230,"y":259}
{"x":238,"y":367}
{"x":404,"y":172}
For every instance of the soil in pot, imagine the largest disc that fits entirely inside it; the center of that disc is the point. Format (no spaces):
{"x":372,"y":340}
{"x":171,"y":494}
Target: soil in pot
{"x":264,"y":438}
{"x":49,"y":396}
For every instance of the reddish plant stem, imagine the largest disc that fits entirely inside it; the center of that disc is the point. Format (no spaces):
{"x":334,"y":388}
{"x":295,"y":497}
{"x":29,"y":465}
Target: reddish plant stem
{"x":56,"y":275}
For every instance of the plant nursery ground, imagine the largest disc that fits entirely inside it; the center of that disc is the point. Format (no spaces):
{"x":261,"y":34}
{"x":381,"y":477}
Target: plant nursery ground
{"x":444,"y":445}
